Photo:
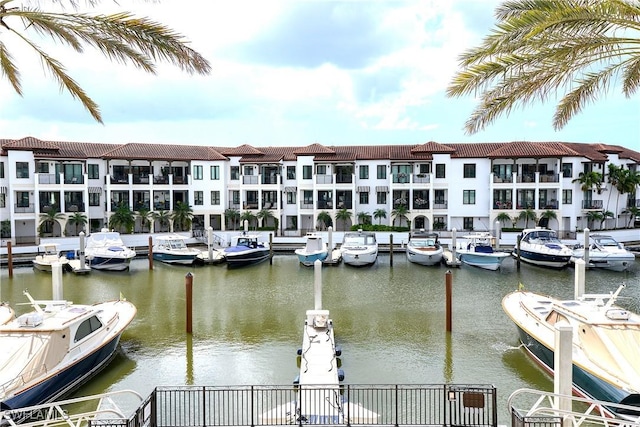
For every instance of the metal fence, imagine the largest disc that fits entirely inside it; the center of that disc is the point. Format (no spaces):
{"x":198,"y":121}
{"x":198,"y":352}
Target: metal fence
{"x":387,"y":405}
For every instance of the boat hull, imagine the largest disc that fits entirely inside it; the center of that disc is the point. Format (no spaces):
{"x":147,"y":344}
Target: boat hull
{"x":359,"y":258}
{"x":109,"y":264}
{"x":425,"y":257}
{"x":609,"y":262}
{"x":169,"y":258}
{"x":543,"y":259}
{"x":245,"y":258}
{"x":309,"y":259}
{"x":486,"y":262}
{"x":63,"y":382}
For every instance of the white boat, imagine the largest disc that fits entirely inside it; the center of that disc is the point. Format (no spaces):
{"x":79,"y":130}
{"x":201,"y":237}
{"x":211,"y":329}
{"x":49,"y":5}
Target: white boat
{"x":48,"y":254}
{"x":6,"y":313}
{"x":605,"y":252}
{"x":173,"y":249}
{"x":106,"y":251}
{"x":50,"y":351}
{"x":424,"y":248}
{"x":359,"y":248}
{"x":246,"y":249}
{"x":606,"y":341}
{"x":541,"y":246}
{"x":477,"y":250}
{"x":314,"y":249}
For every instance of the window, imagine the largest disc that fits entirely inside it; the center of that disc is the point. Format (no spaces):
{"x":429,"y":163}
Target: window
{"x":198,"y":198}
{"x":503,"y":171}
{"x":94,"y":199}
{"x":567,"y":197}
{"x":197,"y":172}
{"x":425,"y":168}
{"x":248,"y":170}
{"x":22,"y":170}
{"x":215,"y":173}
{"x":321,"y":169}
{"x":291,"y":172}
{"x":87,"y":327}
{"x":235,"y":197}
{"x":364,"y":172}
{"x":467,"y":223}
{"x":307,"y":197}
{"x":1,"y":169}
{"x":235,"y":173}
{"x":567,"y":170}
{"x":364,"y":198}
{"x":93,"y":171}
{"x":306,"y":172}
{"x":42,"y":167}
{"x":215,"y":197}
{"x":381,"y":197}
{"x":469,"y":170}
{"x":469,"y":197}
{"x":381,"y":171}
{"x":3,"y":200}
{"x":291,"y":198}
{"x":22,"y":199}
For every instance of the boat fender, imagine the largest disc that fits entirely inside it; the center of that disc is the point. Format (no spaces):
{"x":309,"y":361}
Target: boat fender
{"x":340,"y":375}
{"x":617,"y":314}
{"x":299,"y":352}
{"x":296,"y":380}
{"x":338,"y":351}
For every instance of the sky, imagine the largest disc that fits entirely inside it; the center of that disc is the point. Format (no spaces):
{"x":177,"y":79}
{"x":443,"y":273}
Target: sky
{"x":291,"y":73}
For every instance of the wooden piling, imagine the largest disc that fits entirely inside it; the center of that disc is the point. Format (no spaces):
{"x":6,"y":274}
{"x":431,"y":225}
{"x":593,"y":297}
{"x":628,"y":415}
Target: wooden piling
{"x":518,"y":252}
{"x":188,"y":282}
{"x":448,"y":278}
{"x":150,"y":253}
{"x":270,"y":248}
{"x":9,"y":258}
{"x":391,"y":250}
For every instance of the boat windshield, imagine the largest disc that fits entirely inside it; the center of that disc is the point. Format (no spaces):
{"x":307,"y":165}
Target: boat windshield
{"x":543,"y":236}
{"x":607,"y":241}
{"x":177,"y":244}
{"x":423,"y":243}
{"x":244,"y":241}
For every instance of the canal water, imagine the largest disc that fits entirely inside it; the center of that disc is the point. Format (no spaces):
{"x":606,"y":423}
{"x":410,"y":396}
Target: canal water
{"x":390,"y":322}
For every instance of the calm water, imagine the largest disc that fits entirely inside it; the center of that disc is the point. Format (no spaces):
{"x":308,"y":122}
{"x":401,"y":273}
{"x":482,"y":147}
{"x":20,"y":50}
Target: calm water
{"x":390,"y":322}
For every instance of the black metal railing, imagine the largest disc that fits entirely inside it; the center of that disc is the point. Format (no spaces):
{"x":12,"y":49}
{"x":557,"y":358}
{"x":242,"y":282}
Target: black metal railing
{"x":388,"y":405}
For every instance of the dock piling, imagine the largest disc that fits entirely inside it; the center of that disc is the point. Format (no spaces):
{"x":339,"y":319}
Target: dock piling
{"x":188,"y":282}
{"x":317,"y":284}
{"x":56,"y":280}
{"x":391,"y":250}
{"x":448,"y":296}
{"x":150,"y":253}
{"x":10,"y":258}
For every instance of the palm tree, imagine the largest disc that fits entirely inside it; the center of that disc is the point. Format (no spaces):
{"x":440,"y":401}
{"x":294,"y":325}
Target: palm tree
{"x":549,"y":215}
{"x":379,"y":214}
{"x":325,"y":219}
{"x":503,"y":217}
{"x":593,"y":216}
{"x":605,"y":215}
{"x":627,"y":183}
{"x":49,"y":219}
{"x":614,"y":177}
{"x":182,"y":216}
{"x":527,"y":215}
{"x":123,"y":219}
{"x":232,"y":215}
{"x":633,"y":213}
{"x":121,"y":37}
{"x":343,"y":215}
{"x":400,"y":212}
{"x":264,"y":215}
{"x":163,"y":218}
{"x":78,"y":219}
{"x":249,"y":217}
{"x":146,"y":218}
{"x":5,"y":228}
{"x":537,"y":48}
{"x":364,"y":218}
{"x":587,"y":181}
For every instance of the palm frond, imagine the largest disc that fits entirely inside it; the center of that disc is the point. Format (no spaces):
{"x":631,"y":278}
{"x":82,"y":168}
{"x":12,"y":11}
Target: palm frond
{"x":8,"y":68}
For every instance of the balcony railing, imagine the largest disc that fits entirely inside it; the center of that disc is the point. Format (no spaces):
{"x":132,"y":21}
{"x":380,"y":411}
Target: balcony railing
{"x":268,"y":179}
{"x":161,"y":206}
{"x":498,"y":204}
{"x":344,"y":178}
{"x":249,"y":179}
{"x":119,"y":179}
{"x":304,"y":205}
{"x":140,"y":179}
{"x":48,"y":178}
{"x":74,"y":179}
{"x":592,"y":204}
{"x":548,"y":204}
{"x":324,"y":179}
{"x":400,"y":178}
{"x":24,"y":208}
{"x":440,"y":205}
{"x":497,"y":179}
{"x":160,"y":179}
{"x":74,"y":207}
{"x":420,"y":204}
{"x":421,"y":178}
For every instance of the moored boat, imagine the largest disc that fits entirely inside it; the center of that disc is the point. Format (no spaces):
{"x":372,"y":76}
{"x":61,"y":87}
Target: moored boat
{"x":173,"y":249}
{"x":313,"y":250}
{"x":606,"y":342}
{"x":541,"y":246}
{"x":58,"y":346}
{"x":105,"y":250}
{"x":6,"y":313}
{"x":605,"y":252}
{"x":424,"y":248}
{"x":359,"y":248}
{"x":48,"y":254}
{"x":476,"y":250}
{"x":246,"y":249}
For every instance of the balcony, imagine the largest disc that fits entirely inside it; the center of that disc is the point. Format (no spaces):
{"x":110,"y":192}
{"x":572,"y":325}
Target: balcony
{"x":401,"y":178}
{"x":48,"y":178}
{"x":250,"y":205}
{"x":499,"y":204}
{"x":305,"y":205}
{"x":161,"y":206}
{"x":499,"y":179}
{"x":548,"y":204}
{"x":440,"y":204}
{"x":421,"y":178}
{"x":592,"y":204}
{"x":119,"y":179}
{"x":74,"y":207}
{"x":46,"y":207}
{"x":324,"y":179}
{"x":24,"y":208}
{"x":420,"y":204}
{"x":269,"y":179}
{"x":74,"y":179}
{"x":140,"y":179}
{"x":322,"y":204}
{"x":344,"y":178}
{"x":250,"y":179}
{"x":160,"y":179}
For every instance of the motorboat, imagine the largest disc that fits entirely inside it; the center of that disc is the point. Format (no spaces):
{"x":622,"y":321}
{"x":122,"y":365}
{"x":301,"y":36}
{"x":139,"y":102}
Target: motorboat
{"x":173,"y":249}
{"x":606,"y":342}
{"x":48,"y":254}
{"x":477,"y":250}
{"x":56,"y":347}
{"x":541,"y":246}
{"x":359,"y":248}
{"x":105,"y":250}
{"x":314,"y":249}
{"x":6,"y":313}
{"x":605,"y":252}
{"x":424,"y":248}
{"x":246,"y":249}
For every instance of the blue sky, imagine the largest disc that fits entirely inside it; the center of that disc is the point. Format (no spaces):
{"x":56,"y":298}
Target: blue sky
{"x":352,"y":72}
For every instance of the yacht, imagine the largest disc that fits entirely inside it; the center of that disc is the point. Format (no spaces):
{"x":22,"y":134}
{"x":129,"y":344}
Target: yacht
{"x":106,"y":251}
{"x":605,"y":252}
{"x":48,"y":254}
{"x":314,"y":249}
{"x":424,"y":248}
{"x":541,"y":246}
{"x":172,"y":249}
{"x":477,"y":250}
{"x":246,"y":249}
{"x":359,"y":248}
